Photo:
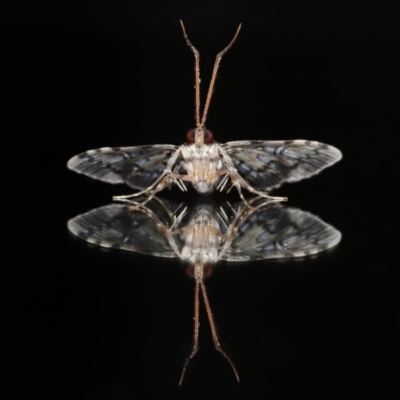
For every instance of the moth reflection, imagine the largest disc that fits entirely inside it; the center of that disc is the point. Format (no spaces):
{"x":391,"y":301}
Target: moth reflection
{"x":204,"y":234}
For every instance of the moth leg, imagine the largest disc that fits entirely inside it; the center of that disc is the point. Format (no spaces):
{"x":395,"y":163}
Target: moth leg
{"x":233,"y":226}
{"x":240,"y":215}
{"x":167,"y":232}
{"x":223,"y":182}
{"x":170,"y":232}
{"x":235,"y":182}
{"x":139,"y":207}
{"x":159,"y":183}
{"x":148,"y":189}
{"x":178,"y":219}
{"x":223,"y":217}
{"x":240,"y":182}
{"x":180,"y":184}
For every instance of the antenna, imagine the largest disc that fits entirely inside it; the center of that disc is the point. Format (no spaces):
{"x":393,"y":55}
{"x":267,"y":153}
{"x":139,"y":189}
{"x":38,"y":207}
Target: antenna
{"x":199,"y":276}
{"x":197,"y":75}
{"x":196,"y":72}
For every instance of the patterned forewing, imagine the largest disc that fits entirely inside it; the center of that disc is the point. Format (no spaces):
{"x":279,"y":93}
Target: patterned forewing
{"x":138,"y":167}
{"x":267,"y":164}
{"x":114,"y":226}
{"x":274,"y":231}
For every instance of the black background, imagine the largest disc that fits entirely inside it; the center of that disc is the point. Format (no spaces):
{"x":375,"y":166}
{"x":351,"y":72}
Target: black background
{"x":91,"y":324}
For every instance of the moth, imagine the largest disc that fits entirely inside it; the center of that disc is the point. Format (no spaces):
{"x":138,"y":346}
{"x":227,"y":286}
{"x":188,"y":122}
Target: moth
{"x":204,"y":235}
{"x":255,"y":165}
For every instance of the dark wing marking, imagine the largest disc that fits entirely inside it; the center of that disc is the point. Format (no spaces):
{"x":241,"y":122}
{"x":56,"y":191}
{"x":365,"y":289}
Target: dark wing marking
{"x":114,"y":226}
{"x":138,"y":167}
{"x":274,"y":231}
{"x":267,"y":164}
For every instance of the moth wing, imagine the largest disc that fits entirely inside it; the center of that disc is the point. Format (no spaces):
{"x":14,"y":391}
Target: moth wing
{"x":115,"y":226}
{"x":267,"y":164}
{"x":138,"y":167}
{"x":274,"y":231}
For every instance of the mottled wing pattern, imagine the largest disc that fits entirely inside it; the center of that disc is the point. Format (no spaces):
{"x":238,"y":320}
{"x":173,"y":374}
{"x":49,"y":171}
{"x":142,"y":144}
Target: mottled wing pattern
{"x":267,"y":164}
{"x":274,"y":231}
{"x":114,"y":226}
{"x":138,"y":167}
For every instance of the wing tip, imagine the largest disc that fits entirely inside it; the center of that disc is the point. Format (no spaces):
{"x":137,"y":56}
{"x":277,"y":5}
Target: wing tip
{"x":75,"y":228}
{"x":72,"y":162}
{"x":336,"y":153}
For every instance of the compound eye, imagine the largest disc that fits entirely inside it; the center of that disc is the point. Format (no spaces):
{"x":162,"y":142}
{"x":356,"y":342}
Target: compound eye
{"x":208,"y":137}
{"x":208,"y":270}
{"x":190,"y":135}
{"x":190,"y":271}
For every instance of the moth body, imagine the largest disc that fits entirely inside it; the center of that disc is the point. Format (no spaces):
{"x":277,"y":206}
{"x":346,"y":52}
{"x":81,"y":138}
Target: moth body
{"x":201,"y":239}
{"x":203,"y":165}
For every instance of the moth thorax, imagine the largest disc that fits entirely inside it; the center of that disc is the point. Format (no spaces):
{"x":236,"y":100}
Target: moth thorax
{"x":199,"y":136}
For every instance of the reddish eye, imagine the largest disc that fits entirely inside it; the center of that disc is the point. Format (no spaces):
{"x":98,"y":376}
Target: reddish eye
{"x":190,"y":135}
{"x":208,"y":136}
{"x":208,"y":270}
{"x":190,"y":271}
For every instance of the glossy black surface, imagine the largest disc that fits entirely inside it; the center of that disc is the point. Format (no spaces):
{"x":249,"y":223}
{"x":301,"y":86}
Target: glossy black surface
{"x":93,"y":324}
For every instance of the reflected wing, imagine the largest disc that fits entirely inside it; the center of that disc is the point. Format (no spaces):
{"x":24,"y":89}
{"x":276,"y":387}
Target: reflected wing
{"x":114,"y":226}
{"x":138,"y":167}
{"x":274,"y":231}
{"x":267,"y":164}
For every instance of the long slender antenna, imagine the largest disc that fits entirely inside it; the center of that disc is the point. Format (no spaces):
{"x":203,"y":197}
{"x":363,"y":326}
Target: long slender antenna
{"x":198,"y":275}
{"x":214,"y":331}
{"x":195,"y":333}
{"x":214,"y":75}
{"x":197,"y":73}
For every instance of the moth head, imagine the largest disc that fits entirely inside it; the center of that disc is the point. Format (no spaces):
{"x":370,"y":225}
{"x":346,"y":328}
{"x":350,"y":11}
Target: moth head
{"x":199,"y":271}
{"x":199,"y":136}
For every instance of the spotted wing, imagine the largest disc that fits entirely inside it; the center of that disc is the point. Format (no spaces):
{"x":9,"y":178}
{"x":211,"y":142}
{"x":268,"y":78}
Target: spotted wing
{"x":138,"y":167}
{"x":114,"y":226}
{"x":267,"y":164}
{"x":274,"y":231}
